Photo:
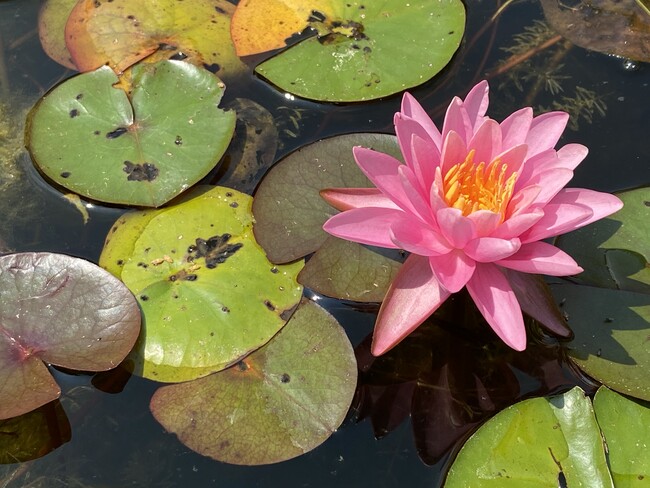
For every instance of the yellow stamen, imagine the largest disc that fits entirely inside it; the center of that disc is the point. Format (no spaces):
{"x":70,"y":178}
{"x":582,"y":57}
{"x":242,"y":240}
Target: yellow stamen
{"x":471,"y":187}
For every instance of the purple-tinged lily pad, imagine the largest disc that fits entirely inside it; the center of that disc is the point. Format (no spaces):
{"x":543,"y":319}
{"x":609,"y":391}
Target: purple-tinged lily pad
{"x":63,"y":311}
{"x":290,"y":213}
{"x":281,"y":401}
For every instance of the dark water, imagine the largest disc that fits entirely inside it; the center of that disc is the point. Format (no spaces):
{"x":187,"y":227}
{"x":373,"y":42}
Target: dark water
{"x":114,"y":439}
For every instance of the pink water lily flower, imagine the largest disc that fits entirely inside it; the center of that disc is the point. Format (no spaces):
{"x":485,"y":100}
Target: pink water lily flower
{"x":475,"y":198}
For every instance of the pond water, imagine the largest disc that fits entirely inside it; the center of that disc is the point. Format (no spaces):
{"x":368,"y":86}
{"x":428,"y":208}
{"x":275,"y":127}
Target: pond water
{"x":113,"y":440}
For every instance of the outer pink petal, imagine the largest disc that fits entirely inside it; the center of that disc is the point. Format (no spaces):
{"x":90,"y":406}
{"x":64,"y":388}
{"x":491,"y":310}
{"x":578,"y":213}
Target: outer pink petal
{"x":453,"y":270}
{"x":486,"y":141}
{"x":456,"y":228}
{"x":571,"y":155}
{"x":419,"y":204}
{"x":476,"y":104}
{"x":534,"y":165}
{"x":425,"y":158}
{"x":545,"y":131}
{"x":516,"y":126}
{"x":417,"y":238}
{"x":412,"y":108}
{"x":370,"y":225}
{"x":541,"y":258}
{"x":406,"y":129}
{"x":456,"y":120}
{"x":347,"y":198}
{"x":454,"y":151}
{"x":495,"y":299}
{"x":550,"y":183}
{"x":413,"y":295}
{"x":490,"y":249}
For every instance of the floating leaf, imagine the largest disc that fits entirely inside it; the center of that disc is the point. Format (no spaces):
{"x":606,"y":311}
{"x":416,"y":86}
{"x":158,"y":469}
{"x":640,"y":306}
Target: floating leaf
{"x":538,"y":442}
{"x":353,"y":57}
{"x":122,"y":32}
{"x":620,"y":27}
{"x":51,"y":30}
{"x":625,"y":425}
{"x":278,"y":403}
{"x":63,"y":311}
{"x":290,"y":214}
{"x":90,"y":138}
{"x":208,"y":294}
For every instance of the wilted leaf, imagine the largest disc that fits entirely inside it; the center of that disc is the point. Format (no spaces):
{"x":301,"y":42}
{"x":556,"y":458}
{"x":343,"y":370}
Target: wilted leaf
{"x":208,"y":294}
{"x":90,"y":138}
{"x":51,"y":30}
{"x":63,"y":311}
{"x":278,"y":403}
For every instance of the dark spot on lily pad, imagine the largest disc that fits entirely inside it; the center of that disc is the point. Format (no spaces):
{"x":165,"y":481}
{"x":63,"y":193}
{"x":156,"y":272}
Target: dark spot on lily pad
{"x":242,"y":366}
{"x":144,"y":298}
{"x":163,"y":46}
{"x":220,"y":10}
{"x":269,"y":305}
{"x":316,"y":16}
{"x":285,"y":378}
{"x":65,"y":174}
{"x":114,"y":134}
{"x":96,"y":132}
{"x":178,"y":141}
{"x":234,"y":205}
{"x":215,"y":250}
{"x":73,"y":113}
{"x":140,"y":172}
{"x":646,"y":203}
{"x":212,"y":68}
{"x":79,"y":97}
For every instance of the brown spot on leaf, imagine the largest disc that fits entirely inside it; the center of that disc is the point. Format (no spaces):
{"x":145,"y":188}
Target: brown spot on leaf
{"x":140,"y":172}
{"x":215,"y":250}
{"x":74,"y":113}
{"x":114,"y":134}
{"x":65,"y":174}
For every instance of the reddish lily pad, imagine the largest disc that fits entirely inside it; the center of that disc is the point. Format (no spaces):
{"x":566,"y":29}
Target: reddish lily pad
{"x":122,"y":32}
{"x":353,"y":56}
{"x":278,"y":403}
{"x":290,"y":213}
{"x":92,"y":139}
{"x":63,"y":311}
{"x":208,"y":294}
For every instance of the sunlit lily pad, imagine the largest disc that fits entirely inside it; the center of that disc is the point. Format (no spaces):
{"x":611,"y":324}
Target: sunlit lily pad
{"x":90,"y":138}
{"x":278,"y":403}
{"x":625,"y":425}
{"x":208,"y":294}
{"x":59,"y":310}
{"x":122,"y":32}
{"x":620,"y":27}
{"x":51,"y":30}
{"x":363,"y":49}
{"x":290,"y":213}
{"x":538,"y":442}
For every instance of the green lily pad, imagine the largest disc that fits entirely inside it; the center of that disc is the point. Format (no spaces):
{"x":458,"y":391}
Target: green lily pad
{"x":208,"y":294}
{"x":59,"y":310}
{"x":90,"y":138}
{"x":290,"y":213}
{"x":283,"y":400}
{"x":358,"y":44}
{"x":536,"y":443}
{"x":625,"y":425}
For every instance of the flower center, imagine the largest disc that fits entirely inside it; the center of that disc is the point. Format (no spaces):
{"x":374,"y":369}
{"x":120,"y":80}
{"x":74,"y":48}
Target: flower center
{"x":470,"y":187}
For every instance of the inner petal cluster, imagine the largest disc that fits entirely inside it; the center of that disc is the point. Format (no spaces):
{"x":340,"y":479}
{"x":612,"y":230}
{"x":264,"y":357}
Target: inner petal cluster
{"x":470,"y":187}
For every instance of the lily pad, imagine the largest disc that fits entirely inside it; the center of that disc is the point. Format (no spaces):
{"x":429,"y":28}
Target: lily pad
{"x":625,"y":425}
{"x":122,"y":32}
{"x":90,"y":138}
{"x":208,"y":294}
{"x":354,"y":55}
{"x":538,"y":442}
{"x":51,"y":30}
{"x":62,"y":311}
{"x":620,"y":27}
{"x":283,"y":400}
{"x":290,"y":213}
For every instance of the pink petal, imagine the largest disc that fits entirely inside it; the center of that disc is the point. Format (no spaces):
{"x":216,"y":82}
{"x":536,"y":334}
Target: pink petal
{"x":514,"y":226}
{"x":413,"y":295}
{"x":542,"y":161}
{"x":347,"y":198}
{"x":489,"y":249}
{"x":412,"y":108}
{"x":418,"y":203}
{"x":541,"y":258}
{"x":571,"y":155}
{"x":456,"y":120}
{"x":550,"y":183}
{"x":453,"y":270}
{"x":545,"y":131}
{"x":455,"y":227}
{"x":370,"y":225}
{"x":522,"y":200}
{"x":417,"y":238}
{"x":476,"y":104}
{"x":515,"y":127}
{"x":495,"y":299}
{"x":406,"y":129}
{"x":454,"y":151}
{"x":425,"y":158}
{"x":486,"y":142}
{"x":514,"y":158}
{"x":485,"y":222}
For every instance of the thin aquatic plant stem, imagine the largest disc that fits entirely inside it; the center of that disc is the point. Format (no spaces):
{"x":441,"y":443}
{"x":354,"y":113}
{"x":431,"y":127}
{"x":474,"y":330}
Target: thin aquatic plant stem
{"x":4,"y":77}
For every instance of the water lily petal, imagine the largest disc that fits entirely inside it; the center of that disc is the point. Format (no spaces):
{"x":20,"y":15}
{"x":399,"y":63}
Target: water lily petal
{"x":370,"y":225}
{"x":486,"y":141}
{"x":454,"y":151}
{"x":522,"y":200}
{"x":456,"y":120}
{"x":453,"y":269}
{"x":485,"y":222}
{"x":545,"y":131}
{"x":456,"y":228}
{"x":412,"y":236}
{"x":496,"y":301}
{"x":425,"y":158}
{"x":517,"y":224}
{"x":534,"y":165}
{"x":490,"y":249}
{"x":571,"y":155}
{"x":347,"y":198}
{"x":406,"y":128}
{"x":419,"y":204}
{"x":541,"y":258}
{"x":550,"y":183}
{"x":412,"y":108}
{"x":476,"y":104}
{"x":514,"y":158}
{"x":413,"y":295}
{"x":515,"y":127}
